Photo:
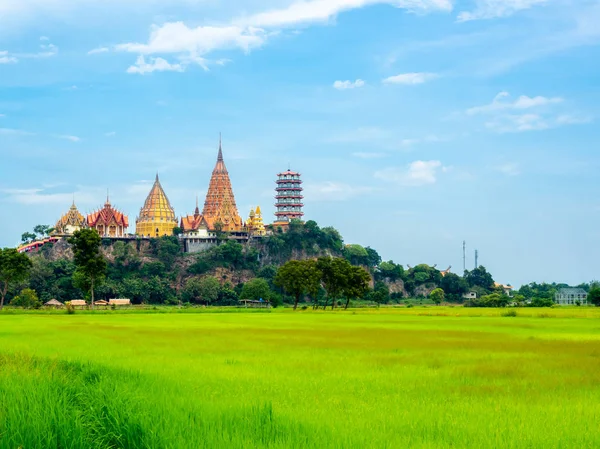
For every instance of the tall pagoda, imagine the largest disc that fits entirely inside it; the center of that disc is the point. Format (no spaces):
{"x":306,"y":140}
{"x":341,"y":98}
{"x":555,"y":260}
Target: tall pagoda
{"x":70,"y":222}
{"x":288,"y":197}
{"x":219,"y":206}
{"x":157,"y":216}
{"x":108,"y":221}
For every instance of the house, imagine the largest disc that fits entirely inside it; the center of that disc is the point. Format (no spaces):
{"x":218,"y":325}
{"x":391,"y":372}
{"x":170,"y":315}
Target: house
{"x":54,"y":303}
{"x":570,"y":295}
{"x":506,"y":288}
{"x":101,"y":302}
{"x":79,"y":303}
{"x":470,"y":295}
{"x":119,"y":302}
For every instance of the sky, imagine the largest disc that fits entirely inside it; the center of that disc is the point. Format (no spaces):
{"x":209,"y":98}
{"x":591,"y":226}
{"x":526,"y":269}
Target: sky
{"x":416,"y":124}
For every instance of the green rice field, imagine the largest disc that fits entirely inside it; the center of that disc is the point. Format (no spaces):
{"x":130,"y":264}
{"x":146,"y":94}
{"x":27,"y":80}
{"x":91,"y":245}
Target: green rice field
{"x":389,"y":378}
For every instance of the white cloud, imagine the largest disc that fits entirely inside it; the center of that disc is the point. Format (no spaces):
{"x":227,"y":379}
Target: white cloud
{"x":70,"y":138}
{"x":44,"y":38}
{"x":567,"y":119}
{"x":532,"y":122}
{"x":509,"y":169}
{"x":191,"y":44}
{"x":489,"y":9}
{"x":98,"y":50}
{"x":410,"y":78}
{"x":5,"y":58}
{"x":13,"y":132}
{"x":367,"y":155}
{"x":176,"y":37}
{"x":418,"y":173}
{"x":155,"y":64}
{"x":110,"y":134}
{"x":343,"y":85}
{"x":334,"y":191}
{"x":40,"y":196}
{"x":523,"y":102}
{"x":303,"y":12}
{"x":2,"y":115}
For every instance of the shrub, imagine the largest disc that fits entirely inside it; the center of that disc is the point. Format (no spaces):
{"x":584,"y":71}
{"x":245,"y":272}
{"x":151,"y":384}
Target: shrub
{"x":70,"y":309}
{"x":511,"y":312}
{"x":27,"y":299}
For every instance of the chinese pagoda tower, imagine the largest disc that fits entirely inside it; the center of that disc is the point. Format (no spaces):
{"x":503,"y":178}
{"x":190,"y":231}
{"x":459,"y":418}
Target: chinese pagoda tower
{"x":157,"y":216}
{"x":219,"y":206}
{"x":289,"y":197}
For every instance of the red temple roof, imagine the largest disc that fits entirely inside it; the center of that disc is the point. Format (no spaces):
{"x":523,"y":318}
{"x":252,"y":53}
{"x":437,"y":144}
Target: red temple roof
{"x":106,"y":216}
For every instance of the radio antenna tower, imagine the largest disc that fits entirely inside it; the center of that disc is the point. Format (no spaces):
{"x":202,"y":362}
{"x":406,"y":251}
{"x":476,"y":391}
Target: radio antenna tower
{"x":464,"y":256}
{"x":476,"y":257}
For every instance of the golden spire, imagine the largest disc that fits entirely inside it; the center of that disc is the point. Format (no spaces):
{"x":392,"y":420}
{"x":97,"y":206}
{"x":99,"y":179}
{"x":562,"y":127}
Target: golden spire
{"x":157,"y":216}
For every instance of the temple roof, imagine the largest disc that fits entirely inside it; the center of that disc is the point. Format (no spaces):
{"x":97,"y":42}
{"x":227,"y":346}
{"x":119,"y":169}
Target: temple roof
{"x":73,"y":218}
{"x":219,"y":205}
{"x":157,"y":206}
{"x":107,"y":215}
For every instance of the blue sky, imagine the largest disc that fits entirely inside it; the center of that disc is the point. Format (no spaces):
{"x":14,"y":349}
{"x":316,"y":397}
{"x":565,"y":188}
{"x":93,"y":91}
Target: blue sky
{"x":416,"y":124}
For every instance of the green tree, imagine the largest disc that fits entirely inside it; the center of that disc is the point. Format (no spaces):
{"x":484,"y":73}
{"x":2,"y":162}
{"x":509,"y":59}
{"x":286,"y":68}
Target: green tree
{"x":256,"y":289}
{"x":42,"y":230}
{"x":454,"y":286}
{"x":168,"y":249}
{"x":28,"y":299}
{"x":357,"y":284}
{"x":437,"y":295}
{"x":389,"y":270}
{"x":356,"y":254}
{"x":479,"y":277}
{"x":90,"y":263}
{"x":594,"y":295}
{"x":299,"y":277}
{"x":204,"y":289}
{"x":373,"y":257}
{"x":27,"y":237}
{"x":334,"y":275}
{"x":14,"y":267}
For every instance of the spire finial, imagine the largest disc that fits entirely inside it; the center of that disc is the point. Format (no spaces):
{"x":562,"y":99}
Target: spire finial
{"x":197,"y":210}
{"x":220,"y":157}
{"x":107,"y":200}
{"x":73,"y":199}
{"x":156,"y":176}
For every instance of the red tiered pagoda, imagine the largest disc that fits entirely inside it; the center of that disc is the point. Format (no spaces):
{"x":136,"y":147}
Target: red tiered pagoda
{"x":289,"y":197}
{"x":108,"y":221}
{"x":219,"y":206}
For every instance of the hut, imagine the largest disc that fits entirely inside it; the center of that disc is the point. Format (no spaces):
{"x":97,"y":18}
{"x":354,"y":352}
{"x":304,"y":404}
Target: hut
{"x":119,"y":302}
{"x":79,"y":303}
{"x":54,"y":304}
{"x":101,"y":302}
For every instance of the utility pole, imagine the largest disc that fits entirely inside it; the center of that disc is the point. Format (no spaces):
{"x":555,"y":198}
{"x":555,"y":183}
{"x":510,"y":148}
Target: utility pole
{"x":464,"y":256}
{"x":476,"y":257}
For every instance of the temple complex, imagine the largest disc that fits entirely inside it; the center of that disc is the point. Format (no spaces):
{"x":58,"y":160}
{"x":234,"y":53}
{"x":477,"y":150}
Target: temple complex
{"x":70,"y":222}
{"x":108,"y":221}
{"x":157,"y":216}
{"x":220,"y":209}
{"x":255,"y":224}
{"x":288,"y":197}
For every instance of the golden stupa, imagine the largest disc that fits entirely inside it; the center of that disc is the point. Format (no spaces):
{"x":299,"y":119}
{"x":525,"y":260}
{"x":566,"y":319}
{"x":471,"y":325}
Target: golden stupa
{"x":157,"y":217}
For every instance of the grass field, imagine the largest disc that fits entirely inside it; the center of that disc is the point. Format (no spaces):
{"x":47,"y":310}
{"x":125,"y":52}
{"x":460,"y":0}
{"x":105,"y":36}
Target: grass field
{"x":389,"y":378}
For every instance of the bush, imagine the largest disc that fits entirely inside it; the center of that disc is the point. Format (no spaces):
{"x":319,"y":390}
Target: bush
{"x":27,"y":299}
{"x":69,"y":308}
{"x":511,"y":312}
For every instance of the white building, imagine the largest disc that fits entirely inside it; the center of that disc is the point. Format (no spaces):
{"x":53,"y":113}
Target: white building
{"x":570,"y":295}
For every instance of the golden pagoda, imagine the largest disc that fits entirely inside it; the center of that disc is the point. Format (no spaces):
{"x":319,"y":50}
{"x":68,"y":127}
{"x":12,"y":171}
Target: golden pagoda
{"x":157,"y":217}
{"x":219,"y":206}
{"x":70,"y":222}
{"x":255,"y":223}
